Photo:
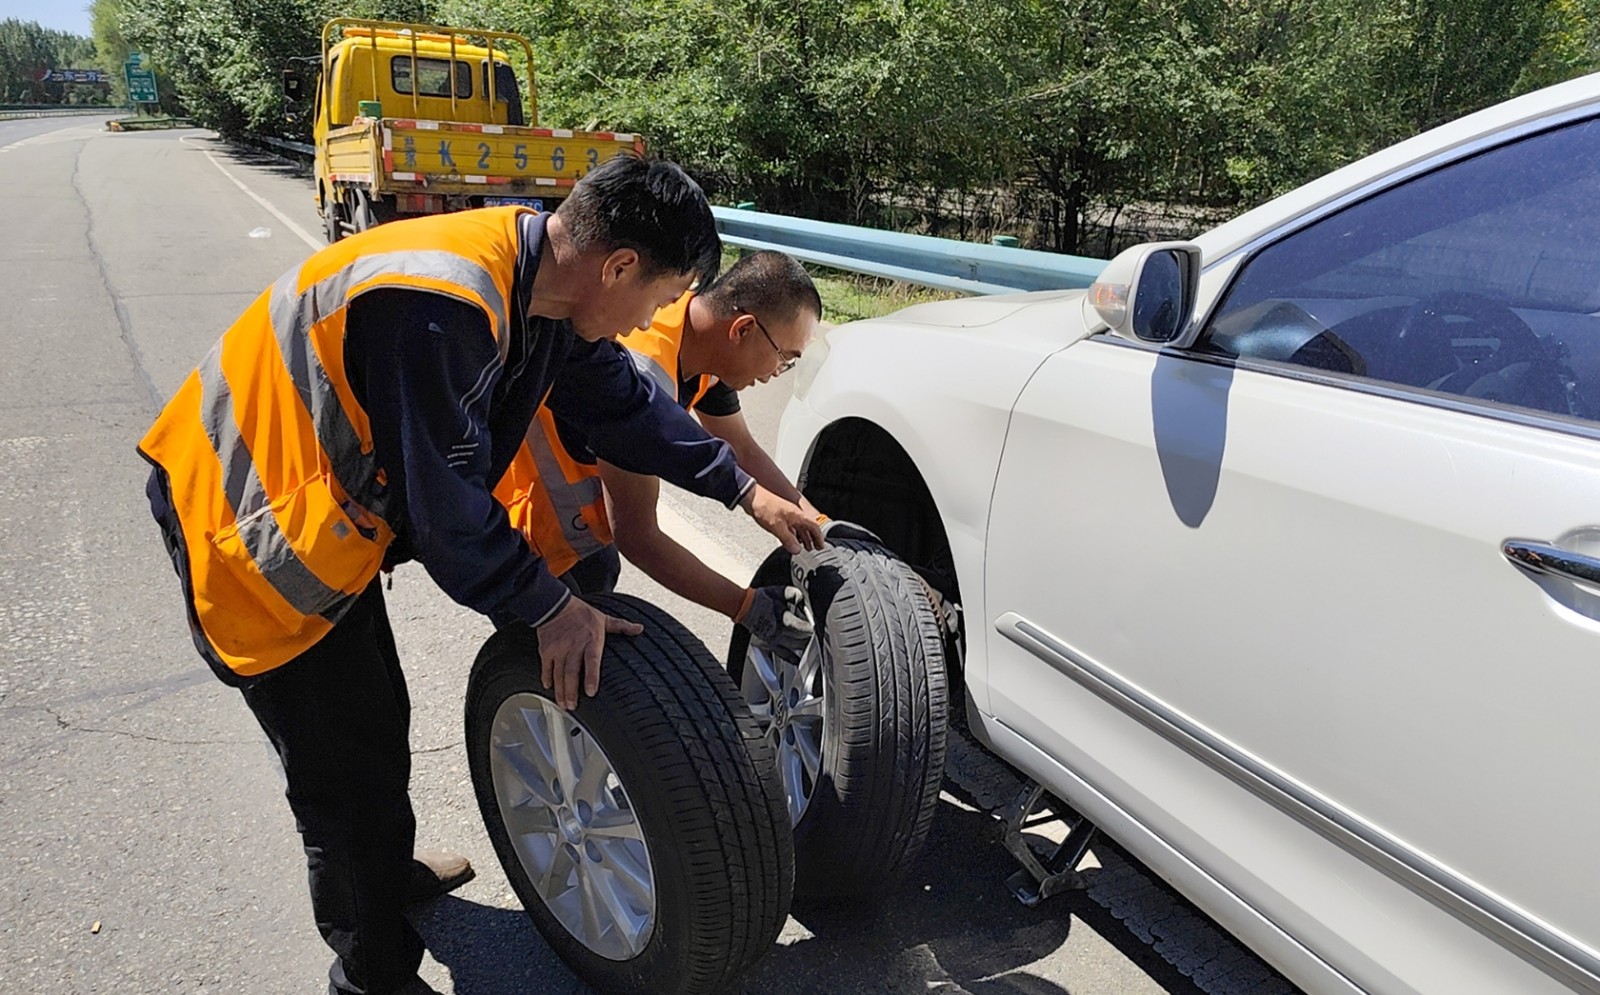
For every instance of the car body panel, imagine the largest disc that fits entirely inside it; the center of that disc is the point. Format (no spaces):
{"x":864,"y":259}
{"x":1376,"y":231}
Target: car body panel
{"x":1295,"y":587}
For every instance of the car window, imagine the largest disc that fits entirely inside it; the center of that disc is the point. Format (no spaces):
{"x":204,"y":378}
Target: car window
{"x":1480,"y":280}
{"x":433,"y":77}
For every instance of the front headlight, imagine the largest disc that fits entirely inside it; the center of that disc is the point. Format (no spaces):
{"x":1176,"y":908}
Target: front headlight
{"x":811,"y":362}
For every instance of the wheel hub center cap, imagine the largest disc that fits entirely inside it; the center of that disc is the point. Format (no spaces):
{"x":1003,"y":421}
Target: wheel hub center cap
{"x":571,"y":826}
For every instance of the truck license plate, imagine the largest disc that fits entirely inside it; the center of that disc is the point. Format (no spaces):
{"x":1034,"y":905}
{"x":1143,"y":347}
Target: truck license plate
{"x":533,"y":202}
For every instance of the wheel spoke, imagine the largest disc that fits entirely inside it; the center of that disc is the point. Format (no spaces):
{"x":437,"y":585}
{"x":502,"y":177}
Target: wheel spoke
{"x":793,"y":783}
{"x":537,"y":722}
{"x":767,"y":672}
{"x":592,"y":779}
{"x":628,"y":925}
{"x":531,"y":771}
{"x":809,"y":751}
{"x":761,"y":711}
{"x":562,"y":752}
{"x":808,"y":708}
{"x":810,"y":663}
{"x":530,"y":817}
{"x":590,"y":913}
{"x":616,"y":824}
{"x":616,"y":859}
{"x":555,"y":878}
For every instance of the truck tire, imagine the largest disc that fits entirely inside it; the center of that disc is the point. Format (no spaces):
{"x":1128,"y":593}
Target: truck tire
{"x":645,"y":831}
{"x":860,"y":730}
{"x":359,"y":209}
{"x":332,"y":219}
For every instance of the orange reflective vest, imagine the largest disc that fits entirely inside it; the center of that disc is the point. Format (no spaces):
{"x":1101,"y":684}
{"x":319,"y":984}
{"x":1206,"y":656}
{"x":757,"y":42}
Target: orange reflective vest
{"x":556,"y":501}
{"x":270,"y":459}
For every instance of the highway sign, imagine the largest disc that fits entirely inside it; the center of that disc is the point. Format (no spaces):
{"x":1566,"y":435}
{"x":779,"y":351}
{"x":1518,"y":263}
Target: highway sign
{"x":141,"y":85}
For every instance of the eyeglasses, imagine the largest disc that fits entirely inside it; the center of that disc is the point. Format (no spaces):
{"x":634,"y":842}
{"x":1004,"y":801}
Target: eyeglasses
{"x":785,"y":361}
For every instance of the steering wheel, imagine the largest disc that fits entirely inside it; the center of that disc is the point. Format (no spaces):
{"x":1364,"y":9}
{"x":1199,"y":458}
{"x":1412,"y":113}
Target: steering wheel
{"x":1427,"y":338}
{"x":1520,"y":370}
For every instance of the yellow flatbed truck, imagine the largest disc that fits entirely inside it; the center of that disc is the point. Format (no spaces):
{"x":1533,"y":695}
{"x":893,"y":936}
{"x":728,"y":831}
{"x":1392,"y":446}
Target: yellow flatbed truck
{"x":412,"y":119}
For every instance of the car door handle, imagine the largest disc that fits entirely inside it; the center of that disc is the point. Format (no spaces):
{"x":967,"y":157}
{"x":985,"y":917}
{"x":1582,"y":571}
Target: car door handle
{"x":1542,"y":557}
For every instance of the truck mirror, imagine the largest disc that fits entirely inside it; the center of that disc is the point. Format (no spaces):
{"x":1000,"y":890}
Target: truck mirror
{"x":291,"y":84}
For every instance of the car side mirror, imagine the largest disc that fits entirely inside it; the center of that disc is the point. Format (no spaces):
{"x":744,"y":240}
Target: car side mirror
{"x":1146,"y":294}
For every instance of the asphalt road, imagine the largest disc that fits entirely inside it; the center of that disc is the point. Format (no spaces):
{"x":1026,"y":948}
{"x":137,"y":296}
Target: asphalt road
{"x":147,"y":845}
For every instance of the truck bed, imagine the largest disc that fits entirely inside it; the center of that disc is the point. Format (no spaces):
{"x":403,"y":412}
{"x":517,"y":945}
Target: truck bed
{"x":403,"y":155}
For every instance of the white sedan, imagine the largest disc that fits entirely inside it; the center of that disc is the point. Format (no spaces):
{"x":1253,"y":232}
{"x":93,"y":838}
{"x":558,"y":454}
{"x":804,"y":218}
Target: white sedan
{"x":1278,"y":553}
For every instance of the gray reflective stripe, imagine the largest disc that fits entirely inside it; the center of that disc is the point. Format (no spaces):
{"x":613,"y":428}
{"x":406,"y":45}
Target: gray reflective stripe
{"x":258,"y":527}
{"x":567,"y":499}
{"x":281,"y":566}
{"x":239,"y":482}
{"x":655,"y":371}
{"x":292,"y":317}
{"x":435,"y":264}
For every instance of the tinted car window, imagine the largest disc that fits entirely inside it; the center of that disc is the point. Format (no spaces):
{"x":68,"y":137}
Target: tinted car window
{"x":1479,"y":280}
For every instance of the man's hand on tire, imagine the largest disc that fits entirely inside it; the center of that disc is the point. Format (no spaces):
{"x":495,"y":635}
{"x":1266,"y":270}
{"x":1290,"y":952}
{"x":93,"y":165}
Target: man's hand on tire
{"x":794,"y":528}
{"x":833,"y":528}
{"x":775,"y":617}
{"x":569,"y":649}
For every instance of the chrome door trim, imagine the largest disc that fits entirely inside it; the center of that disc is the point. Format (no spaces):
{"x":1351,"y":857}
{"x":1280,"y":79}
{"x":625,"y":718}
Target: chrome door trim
{"x":1540,"y":942}
{"x":1548,"y":558}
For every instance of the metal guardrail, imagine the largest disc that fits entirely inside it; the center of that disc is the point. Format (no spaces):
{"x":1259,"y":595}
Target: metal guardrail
{"x":946,"y":264}
{"x":63,"y":112}
{"x":282,"y":143}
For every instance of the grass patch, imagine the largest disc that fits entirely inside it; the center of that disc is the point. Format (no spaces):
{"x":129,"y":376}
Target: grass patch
{"x":852,"y":297}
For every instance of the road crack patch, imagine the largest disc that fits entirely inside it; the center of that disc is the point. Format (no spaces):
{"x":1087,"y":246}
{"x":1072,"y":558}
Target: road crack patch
{"x":68,"y":725}
{"x":124,"y":322}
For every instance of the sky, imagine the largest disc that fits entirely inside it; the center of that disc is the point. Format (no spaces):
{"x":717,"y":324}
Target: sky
{"x":62,"y":15}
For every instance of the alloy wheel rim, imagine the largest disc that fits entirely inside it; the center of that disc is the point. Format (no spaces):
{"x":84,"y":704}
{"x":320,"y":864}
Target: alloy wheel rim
{"x":572,"y":826}
{"x":786,"y":698}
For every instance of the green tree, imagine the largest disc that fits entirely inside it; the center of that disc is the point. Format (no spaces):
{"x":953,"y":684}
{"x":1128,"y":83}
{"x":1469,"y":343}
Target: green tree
{"x":1076,"y":123}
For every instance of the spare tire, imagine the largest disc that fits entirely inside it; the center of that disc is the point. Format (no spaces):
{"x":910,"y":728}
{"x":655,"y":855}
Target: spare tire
{"x":645,"y":831}
{"x":858,"y":721}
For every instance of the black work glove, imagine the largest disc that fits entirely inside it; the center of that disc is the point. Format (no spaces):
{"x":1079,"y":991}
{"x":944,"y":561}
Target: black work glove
{"x":776,"y":620}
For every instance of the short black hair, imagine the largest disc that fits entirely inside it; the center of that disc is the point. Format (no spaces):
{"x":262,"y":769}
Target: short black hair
{"x":651,"y":207}
{"x":767,"y":284}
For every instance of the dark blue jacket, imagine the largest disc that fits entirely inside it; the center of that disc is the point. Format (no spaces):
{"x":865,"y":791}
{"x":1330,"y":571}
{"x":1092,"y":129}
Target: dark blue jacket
{"x":447,"y":418}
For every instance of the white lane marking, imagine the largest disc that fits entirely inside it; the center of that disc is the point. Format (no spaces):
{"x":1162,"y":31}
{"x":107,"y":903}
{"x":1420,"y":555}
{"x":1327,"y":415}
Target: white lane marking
{"x":70,"y":133}
{"x":315,"y":243}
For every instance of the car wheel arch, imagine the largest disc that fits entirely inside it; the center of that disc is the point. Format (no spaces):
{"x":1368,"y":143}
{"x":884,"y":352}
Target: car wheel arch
{"x":858,"y":471}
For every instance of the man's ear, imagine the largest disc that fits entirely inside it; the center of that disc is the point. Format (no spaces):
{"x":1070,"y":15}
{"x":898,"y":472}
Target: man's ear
{"x":738,"y":328}
{"x":618,"y":265}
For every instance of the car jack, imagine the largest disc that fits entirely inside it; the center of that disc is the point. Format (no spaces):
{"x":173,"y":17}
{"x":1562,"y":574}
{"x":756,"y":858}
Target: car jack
{"x":1039,"y":879}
